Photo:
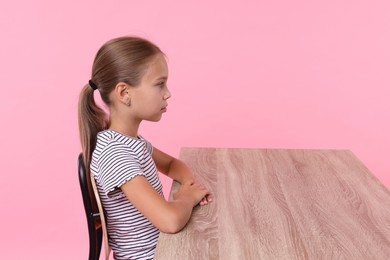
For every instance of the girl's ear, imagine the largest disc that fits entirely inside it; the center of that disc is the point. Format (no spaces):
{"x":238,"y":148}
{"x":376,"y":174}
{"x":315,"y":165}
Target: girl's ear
{"x":122,"y":93}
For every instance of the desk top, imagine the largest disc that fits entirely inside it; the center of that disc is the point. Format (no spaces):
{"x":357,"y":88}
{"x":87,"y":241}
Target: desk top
{"x":282,"y":204}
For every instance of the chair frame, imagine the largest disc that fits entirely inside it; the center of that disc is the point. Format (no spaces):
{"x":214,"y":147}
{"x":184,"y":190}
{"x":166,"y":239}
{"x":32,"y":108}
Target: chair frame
{"x":95,"y":229}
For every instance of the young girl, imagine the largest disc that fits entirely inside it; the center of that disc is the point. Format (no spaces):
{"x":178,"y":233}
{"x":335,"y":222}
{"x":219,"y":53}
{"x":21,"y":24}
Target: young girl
{"x":131,"y":76}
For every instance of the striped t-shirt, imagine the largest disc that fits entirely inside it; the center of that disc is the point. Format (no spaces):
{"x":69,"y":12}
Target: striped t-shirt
{"x":117,"y":159}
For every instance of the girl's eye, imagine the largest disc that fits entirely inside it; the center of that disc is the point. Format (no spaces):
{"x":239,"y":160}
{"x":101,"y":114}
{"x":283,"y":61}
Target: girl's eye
{"x":161,"y":84}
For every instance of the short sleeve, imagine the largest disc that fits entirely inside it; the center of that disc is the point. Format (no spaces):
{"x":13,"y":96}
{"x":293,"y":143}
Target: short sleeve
{"x":118,"y":164}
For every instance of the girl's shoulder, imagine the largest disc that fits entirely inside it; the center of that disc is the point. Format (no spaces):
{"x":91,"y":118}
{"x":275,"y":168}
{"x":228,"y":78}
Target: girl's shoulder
{"x":109,"y":137}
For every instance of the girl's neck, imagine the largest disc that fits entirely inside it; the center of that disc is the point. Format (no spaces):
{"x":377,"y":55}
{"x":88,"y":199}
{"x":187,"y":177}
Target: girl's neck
{"x":126,"y":128}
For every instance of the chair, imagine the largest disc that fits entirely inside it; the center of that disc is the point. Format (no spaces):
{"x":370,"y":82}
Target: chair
{"x":93,"y":211}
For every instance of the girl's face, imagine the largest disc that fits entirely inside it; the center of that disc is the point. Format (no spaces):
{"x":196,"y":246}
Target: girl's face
{"x":149,"y":99}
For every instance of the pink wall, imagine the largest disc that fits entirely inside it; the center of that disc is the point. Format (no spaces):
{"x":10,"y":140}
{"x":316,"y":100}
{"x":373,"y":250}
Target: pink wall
{"x":268,"y":74}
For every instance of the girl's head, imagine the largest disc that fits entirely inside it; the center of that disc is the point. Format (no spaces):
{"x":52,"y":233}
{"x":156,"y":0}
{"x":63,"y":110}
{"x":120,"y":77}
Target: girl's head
{"x":123,"y":59}
{"x":120,"y":67}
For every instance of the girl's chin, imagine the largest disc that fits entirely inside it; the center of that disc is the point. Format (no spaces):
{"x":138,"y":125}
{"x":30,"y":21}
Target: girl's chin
{"x":154,"y":119}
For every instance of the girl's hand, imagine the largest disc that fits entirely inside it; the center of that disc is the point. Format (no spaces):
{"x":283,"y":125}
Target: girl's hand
{"x":192,"y":190}
{"x":206,"y":199}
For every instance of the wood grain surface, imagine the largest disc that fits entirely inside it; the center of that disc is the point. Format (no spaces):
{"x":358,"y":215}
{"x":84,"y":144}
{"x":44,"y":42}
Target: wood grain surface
{"x":282,"y":204}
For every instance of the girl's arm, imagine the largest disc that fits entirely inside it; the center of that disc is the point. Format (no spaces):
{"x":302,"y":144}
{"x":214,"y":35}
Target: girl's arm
{"x":168,"y":217}
{"x":172,"y":167}
{"x":176,"y":170}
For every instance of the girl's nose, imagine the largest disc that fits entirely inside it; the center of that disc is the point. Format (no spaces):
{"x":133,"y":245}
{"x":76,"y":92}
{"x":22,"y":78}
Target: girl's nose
{"x":167,"y":94}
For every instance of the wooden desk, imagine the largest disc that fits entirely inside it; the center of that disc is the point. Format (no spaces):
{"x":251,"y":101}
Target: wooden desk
{"x":283,"y":204}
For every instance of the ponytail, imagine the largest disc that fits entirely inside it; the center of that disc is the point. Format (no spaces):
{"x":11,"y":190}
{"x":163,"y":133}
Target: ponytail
{"x":92,"y":119}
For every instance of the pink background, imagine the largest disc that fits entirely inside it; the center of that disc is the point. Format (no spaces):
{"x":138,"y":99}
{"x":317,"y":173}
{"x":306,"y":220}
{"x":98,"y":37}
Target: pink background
{"x":267,"y":74}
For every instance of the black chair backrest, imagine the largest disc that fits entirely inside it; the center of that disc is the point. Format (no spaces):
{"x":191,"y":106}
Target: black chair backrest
{"x":91,"y":211}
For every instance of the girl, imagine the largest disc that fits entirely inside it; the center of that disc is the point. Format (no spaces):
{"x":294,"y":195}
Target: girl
{"x":131,"y":76}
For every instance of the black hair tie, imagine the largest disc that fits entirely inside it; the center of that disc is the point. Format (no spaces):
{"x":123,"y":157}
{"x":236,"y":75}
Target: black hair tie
{"x":93,"y":85}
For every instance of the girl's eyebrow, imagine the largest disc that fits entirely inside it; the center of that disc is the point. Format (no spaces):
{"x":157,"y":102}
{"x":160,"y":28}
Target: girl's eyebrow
{"x":162,"y":78}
